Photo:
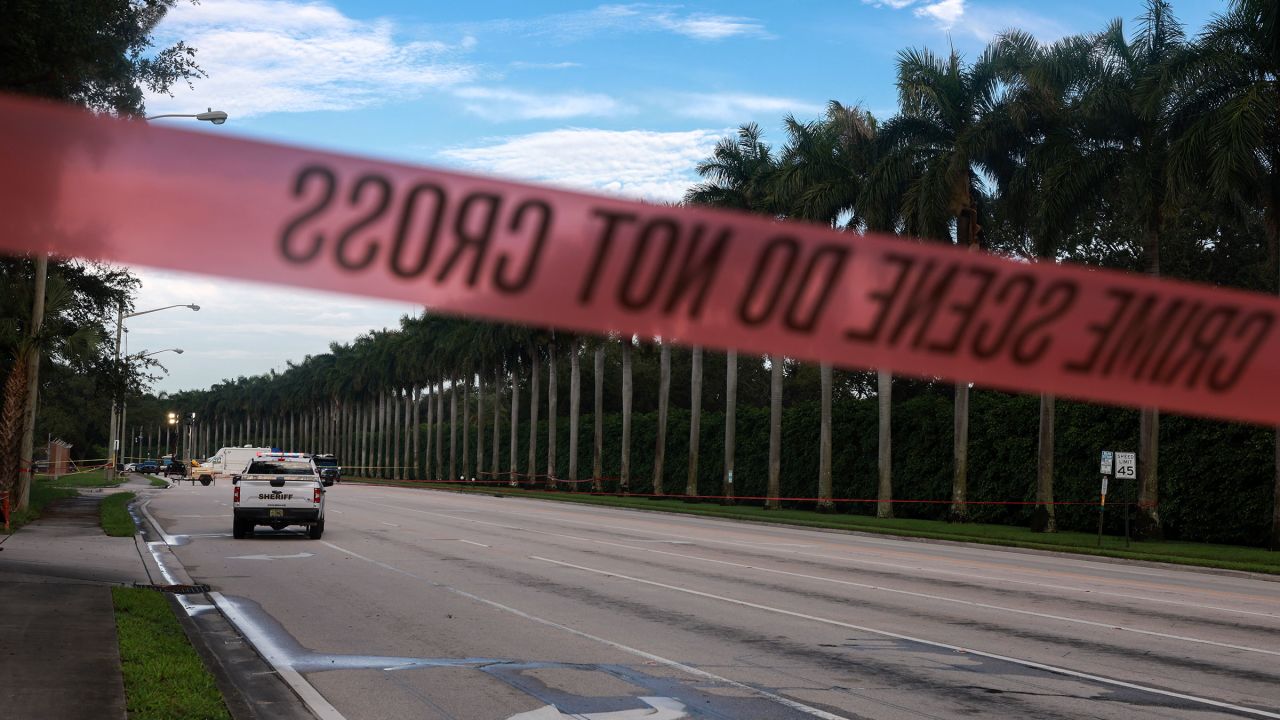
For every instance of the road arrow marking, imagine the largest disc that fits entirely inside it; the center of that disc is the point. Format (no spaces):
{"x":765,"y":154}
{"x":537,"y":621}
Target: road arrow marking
{"x":269,"y":557}
{"x":660,"y":708}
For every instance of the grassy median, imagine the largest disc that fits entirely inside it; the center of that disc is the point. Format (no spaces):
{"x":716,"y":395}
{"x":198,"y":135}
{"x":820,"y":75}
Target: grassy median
{"x":1227,"y":557}
{"x":164,"y":678}
{"x":114,"y":515}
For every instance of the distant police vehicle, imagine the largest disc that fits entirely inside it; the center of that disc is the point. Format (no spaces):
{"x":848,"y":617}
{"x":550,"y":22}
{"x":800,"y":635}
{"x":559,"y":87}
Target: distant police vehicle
{"x":327,"y":464}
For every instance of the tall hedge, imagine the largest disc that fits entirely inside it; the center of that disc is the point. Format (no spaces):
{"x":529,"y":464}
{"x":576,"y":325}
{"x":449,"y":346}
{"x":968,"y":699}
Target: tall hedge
{"x":1215,"y":477}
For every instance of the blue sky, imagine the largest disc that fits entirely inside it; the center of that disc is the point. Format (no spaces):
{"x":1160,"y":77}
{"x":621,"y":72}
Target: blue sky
{"x":620,"y":98}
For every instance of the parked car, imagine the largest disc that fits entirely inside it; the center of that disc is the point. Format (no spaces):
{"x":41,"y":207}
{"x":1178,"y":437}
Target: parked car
{"x":147,"y":466}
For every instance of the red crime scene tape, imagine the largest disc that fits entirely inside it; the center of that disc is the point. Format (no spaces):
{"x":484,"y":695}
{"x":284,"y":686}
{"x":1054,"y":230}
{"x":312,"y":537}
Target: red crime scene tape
{"x":75,"y":184}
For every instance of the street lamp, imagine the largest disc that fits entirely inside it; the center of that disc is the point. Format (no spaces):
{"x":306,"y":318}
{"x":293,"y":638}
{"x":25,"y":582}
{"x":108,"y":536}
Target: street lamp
{"x":117,"y":426}
{"x":124,"y":405}
{"x":217,"y":117}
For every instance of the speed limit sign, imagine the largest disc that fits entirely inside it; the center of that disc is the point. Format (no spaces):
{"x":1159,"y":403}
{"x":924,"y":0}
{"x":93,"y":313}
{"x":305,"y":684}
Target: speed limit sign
{"x":1126,"y":465}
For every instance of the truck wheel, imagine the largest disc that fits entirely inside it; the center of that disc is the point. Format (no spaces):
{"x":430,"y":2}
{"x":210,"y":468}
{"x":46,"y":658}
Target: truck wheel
{"x":205,"y":480}
{"x":316,"y":530}
{"x":238,"y":529}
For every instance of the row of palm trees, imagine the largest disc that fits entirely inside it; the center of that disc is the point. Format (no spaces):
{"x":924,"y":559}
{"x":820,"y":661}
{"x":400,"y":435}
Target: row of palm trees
{"x":1042,"y":151}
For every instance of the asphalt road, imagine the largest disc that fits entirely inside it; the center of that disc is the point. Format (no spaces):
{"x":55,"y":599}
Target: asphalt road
{"x":429,"y":604}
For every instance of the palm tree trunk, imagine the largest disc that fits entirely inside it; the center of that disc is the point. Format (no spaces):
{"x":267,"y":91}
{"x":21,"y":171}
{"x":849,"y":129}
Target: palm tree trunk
{"x":553,"y":396}
{"x":494,"y":459}
{"x":466,"y":427}
{"x":388,"y":436}
{"x":1148,"y":523}
{"x":417,"y":432}
{"x":393,"y":407}
{"x":624,"y":481}
{"x":453,"y":431}
{"x":824,"y":442}
{"x":695,"y":421}
{"x":664,"y":393}
{"x":597,"y":459}
{"x":884,"y":399}
{"x":1148,"y":518}
{"x":1043,"y":519}
{"x":575,"y":408}
{"x":365,"y":425}
{"x":440,"y":469}
{"x":535,"y":370}
{"x":960,"y":456}
{"x":515,"y":425}
{"x":730,"y":421}
{"x":407,"y":470}
{"x":775,"y":433}
{"x":480,"y":424}
{"x":429,"y":397}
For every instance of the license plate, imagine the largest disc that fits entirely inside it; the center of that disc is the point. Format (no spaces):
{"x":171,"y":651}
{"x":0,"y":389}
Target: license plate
{"x":275,"y":513}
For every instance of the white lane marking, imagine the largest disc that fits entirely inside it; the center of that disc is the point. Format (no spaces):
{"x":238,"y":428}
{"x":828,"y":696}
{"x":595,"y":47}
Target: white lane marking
{"x":384,"y":522}
{"x":335,"y":510}
{"x":278,"y":659}
{"x":270,"y":557}
{"x":932,"y":643}
{"x":472,"y":542}
{"x":674,"y":664}
{"x":970,"y":603}
{"x":667,"y":709}
{"x":895,"y":565}
{"x":940,"y":598}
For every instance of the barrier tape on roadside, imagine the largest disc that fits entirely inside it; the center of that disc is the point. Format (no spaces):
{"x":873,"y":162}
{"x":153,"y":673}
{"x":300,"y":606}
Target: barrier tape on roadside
{"x":127,"y":192}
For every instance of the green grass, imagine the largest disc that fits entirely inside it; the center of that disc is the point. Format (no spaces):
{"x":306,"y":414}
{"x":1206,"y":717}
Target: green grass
{"x":114,"y":515}
{"x":90,"y":479}
{"x":157,"y":482}
{"x":41,"y":495}
{"x":164,"y":678}
{"x":1228,"y":557}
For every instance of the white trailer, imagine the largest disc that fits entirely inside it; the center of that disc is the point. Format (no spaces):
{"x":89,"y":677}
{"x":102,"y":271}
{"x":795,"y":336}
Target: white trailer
{"x":226,"y":462}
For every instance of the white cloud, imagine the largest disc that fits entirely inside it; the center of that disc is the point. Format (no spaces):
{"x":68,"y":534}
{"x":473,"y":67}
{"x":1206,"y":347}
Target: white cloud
{"x":281,"y":56}
{"x":244,"y":328}
{"x":500,"y":104}
{"x":738,"y":107}
{"x":945,"y":12}
{"x":633,"y":17}
{"x":523,"y":65}
{"x":703,"y":26}
{"x":655,"y":166}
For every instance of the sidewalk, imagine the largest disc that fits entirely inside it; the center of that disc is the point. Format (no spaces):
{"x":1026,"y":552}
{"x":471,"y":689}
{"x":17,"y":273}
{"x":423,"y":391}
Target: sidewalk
{"x":58,"y":652}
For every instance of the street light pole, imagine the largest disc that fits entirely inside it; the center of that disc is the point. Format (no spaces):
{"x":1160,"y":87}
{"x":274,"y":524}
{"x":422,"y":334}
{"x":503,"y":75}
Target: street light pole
{"x":117,"y":425}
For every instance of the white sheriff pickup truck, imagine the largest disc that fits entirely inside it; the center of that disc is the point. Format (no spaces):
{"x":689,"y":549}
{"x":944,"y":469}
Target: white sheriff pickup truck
{"x":278,"y":490}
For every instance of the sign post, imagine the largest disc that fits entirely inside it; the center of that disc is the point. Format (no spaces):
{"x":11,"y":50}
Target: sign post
{"x":1127,"y":467}
{"x":1105,"y":471}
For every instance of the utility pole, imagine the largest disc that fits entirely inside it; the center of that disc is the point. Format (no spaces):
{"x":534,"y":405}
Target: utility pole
{"x":25,"y":460}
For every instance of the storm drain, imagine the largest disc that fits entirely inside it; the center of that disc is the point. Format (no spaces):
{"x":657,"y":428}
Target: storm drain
{"x":177,"y":589}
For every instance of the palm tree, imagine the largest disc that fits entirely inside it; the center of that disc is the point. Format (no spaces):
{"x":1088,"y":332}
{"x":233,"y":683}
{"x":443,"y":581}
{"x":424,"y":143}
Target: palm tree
{"x":775,"y":432}
{"x":664,"y":394}
{"x":938,"y":138}
{"x":695,"y":419}
{"x":552,"y":412}
{"x":730,"y":421}
{"x":575,"y":408}
{"x":740,"y":175}
{"x":1229,"y":130}
{"x":535,"y":370}
{"x":624,"y":481}
{"x":515,"y":419}
{"x":1126,"y":155}
{"x":597,"y":461}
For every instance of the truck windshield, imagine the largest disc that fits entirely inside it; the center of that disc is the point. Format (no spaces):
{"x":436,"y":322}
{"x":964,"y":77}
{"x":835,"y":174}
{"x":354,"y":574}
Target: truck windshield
{"x":280,"y":467}
{"x":326,"y":462}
